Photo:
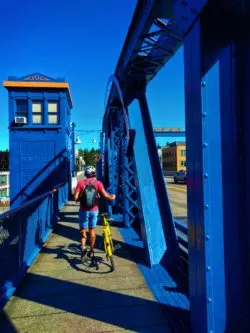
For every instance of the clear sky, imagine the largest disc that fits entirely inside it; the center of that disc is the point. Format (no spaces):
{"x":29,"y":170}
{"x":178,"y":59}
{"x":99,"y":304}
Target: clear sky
{"x":80,"y":41}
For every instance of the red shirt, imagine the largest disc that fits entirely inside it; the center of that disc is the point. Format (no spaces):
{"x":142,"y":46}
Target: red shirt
{"x":82,"y":183}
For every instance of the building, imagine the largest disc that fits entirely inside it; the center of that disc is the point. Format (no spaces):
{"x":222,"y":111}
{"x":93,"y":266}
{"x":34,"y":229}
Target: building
{"x":174,"y":157}
{"x":4,"y":176}
{"x":41,"y":136}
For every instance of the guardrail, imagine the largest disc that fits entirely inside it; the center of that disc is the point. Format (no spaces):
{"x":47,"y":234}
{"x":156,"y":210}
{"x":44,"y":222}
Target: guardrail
{"x":182,"y":236}
{"x":23,"y":230}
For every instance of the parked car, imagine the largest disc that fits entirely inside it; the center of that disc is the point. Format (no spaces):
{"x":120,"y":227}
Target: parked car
{"x":180,"y":176}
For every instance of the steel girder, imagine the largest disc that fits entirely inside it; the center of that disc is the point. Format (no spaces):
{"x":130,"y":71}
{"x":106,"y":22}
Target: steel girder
{"x":120,"y":170}
{"x":217,"y":104}
{"x":157,"y":30}
{"x":217,"y":117}
{"x":126,"y":179}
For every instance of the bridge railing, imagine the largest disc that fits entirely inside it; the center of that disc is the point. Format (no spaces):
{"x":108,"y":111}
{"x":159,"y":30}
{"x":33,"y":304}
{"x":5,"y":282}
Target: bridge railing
{"x":23,"y":230}
{"x":182,"y":235}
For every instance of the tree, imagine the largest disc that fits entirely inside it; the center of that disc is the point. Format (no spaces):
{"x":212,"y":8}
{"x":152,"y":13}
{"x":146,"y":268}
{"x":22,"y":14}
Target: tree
{"x":89,"y":156}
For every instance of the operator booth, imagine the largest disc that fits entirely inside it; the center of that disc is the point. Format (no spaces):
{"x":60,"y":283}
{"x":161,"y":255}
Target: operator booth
{"x":40,"y":136}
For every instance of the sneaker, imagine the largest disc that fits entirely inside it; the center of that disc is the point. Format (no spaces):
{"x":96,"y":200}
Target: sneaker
{"x":91,"y":254}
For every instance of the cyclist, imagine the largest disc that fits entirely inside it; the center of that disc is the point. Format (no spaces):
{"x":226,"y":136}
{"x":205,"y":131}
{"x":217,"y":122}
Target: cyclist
{"x":88,"y":215}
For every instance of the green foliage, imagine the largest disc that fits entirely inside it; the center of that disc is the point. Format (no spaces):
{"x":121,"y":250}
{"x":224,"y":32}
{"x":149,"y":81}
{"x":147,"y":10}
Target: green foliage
{"x":89,"y":156}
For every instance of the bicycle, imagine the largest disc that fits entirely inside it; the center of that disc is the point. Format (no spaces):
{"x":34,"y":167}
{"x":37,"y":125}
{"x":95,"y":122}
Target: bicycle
{"x":107,"y":240}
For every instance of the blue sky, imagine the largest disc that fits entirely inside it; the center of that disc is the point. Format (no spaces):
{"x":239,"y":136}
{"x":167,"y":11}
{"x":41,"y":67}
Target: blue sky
{"x":81,"y":41}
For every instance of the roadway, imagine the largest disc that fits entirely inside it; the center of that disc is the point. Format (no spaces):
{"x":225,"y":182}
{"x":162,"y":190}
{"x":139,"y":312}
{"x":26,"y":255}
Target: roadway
{"x":178,"y":198}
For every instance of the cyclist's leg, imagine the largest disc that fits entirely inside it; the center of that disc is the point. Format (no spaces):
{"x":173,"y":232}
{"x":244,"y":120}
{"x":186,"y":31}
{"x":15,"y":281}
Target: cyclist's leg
{"x":92,"y":225}
{"x":83,"y":224}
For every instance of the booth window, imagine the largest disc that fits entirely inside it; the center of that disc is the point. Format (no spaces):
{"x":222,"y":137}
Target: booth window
{"x":37,"y":116}
{"x":3,"y":193}
{"x":53,"y":113}
{"x":3,"y":179}
{"x":21,"y":108}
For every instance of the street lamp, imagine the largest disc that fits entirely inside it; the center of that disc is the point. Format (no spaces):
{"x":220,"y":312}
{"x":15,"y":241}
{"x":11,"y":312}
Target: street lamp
{"x":77,"y":141}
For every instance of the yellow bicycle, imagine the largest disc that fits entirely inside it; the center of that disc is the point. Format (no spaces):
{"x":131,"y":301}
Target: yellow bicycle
{"x":107,"y":240}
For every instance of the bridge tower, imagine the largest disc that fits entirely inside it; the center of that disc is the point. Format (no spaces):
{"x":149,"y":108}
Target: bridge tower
{"x":40,"y":136}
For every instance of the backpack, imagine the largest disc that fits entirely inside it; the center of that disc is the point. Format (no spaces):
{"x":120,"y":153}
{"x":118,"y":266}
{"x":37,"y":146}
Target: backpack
{"x":88,"y":195}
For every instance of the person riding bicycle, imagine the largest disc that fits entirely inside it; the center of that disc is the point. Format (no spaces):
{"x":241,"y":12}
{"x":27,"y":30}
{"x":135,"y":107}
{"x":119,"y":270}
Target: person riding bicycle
{"x":87,"y":192}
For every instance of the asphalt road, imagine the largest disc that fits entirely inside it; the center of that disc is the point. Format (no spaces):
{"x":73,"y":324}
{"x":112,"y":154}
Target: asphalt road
{"x":177,"y":194}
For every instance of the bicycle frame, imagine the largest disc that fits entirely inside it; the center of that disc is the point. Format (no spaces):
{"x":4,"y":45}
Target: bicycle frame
{"x":107,"y":237}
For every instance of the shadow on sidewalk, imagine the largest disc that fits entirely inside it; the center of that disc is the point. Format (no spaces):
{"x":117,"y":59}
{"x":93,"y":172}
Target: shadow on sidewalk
{"x":115,"y":308}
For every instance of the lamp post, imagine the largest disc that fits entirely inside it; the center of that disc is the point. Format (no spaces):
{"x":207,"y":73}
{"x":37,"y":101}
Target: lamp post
{"x":77,"y":141}
{"x":73,"y":125}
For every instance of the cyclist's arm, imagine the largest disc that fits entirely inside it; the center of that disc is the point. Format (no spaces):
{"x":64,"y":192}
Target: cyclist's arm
{"x":78,"y":191}
{"x":76,"y":195}
{"x":106,"y":195}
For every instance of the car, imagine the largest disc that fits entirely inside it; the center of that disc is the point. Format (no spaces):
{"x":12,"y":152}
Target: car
{"x":180,"y":176}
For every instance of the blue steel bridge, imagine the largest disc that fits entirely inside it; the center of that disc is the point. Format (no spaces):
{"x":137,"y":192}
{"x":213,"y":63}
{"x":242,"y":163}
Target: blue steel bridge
{"x":170,"y":276}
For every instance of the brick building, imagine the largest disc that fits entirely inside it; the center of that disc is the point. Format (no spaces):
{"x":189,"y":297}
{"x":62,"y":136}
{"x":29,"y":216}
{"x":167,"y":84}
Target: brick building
{"x":174,"y":157}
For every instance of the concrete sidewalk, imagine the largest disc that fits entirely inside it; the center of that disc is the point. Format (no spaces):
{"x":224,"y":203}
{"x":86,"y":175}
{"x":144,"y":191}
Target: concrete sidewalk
{"x":60,"y":294}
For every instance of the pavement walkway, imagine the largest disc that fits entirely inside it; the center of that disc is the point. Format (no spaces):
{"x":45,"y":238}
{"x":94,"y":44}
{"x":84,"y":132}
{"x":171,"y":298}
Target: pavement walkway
{"x":60,"y":294}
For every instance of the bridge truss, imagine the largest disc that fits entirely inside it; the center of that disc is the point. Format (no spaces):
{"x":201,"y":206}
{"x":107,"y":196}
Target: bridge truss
{"x":217,"y":70}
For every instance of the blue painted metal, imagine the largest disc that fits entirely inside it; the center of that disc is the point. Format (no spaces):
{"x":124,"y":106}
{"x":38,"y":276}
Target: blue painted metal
{"x":213,"y":70}
{"x":130,"y":194}
{"x":40,"y":154}
{"x":113,"y":83}
{"x":116,"y":137}
{"x":40,"y":158}
{"x":128,"y":191}
{"x":23,"y":230}
{"x":125,"y":181}
{"x":216,"y":135}
{"x":157,"y":226}
{"x":138,"y":26}
{"x":194,"y":168}
{"x":169,"y":135}
{"x":186,"y":12}
{"x":114,"y":154}
{"x":233,"y":60}
{"x":156,"y":32}
{"x":213,"y":197}
{"x":182,"y":235}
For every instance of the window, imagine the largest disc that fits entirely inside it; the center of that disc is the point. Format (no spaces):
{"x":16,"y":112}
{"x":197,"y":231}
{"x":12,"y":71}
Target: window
{"x":53,"y":113}
{"x":183,"y":163}
{"x":37,"y":116}
{"x":3,"y":179}
{"x":183,"y":152}
{"x":21,"y":108}
{"x":3,"y":193}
